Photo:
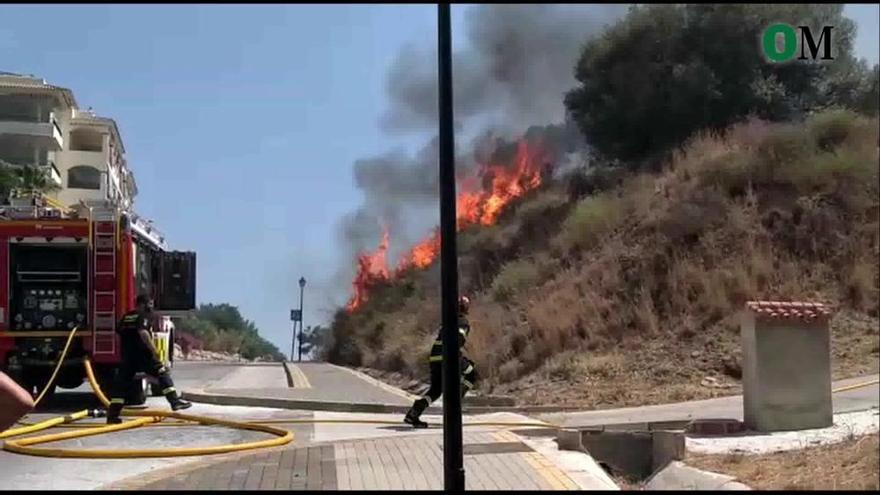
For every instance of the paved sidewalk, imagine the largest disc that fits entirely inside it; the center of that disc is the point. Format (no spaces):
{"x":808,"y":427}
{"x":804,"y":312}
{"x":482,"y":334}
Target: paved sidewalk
{"x":494,"y":460}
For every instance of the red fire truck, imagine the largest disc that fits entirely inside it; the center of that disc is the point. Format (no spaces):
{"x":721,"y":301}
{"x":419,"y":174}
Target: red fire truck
{"x":82,"y":266}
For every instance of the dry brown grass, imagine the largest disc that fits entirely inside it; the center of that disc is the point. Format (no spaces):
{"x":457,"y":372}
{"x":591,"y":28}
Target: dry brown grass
{"x":850,"y":465}
{"x":656,"y":269}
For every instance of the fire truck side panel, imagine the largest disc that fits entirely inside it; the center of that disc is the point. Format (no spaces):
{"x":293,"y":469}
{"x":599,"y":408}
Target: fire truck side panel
{"x":29,"y":238}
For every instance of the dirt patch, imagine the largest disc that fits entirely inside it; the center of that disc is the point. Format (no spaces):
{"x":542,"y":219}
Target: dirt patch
{"x":850,"y":465}
{"x":659,"y":371}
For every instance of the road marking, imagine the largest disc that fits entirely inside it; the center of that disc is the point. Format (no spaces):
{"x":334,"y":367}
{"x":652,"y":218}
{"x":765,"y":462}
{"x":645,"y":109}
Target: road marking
{"x":857,"y":385}
{"x":549,"y":478}
{"x":544,"y":466}
{"x":299,"y":378}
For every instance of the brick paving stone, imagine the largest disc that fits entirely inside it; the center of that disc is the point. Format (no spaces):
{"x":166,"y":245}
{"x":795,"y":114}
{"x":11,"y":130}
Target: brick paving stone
{"x":406,"y":479}
{"x":376,"y":463}
{"x":328,"y":467}
{"x":314,"y":478}
{"x":414,"y":471}
{"x":364,"y":467}
{"x":383,"y":452}
{"x":355,"y":473}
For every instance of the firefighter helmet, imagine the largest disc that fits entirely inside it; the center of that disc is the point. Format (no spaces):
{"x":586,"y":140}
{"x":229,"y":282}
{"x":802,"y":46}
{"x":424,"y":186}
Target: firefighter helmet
{"x":464,"y":303}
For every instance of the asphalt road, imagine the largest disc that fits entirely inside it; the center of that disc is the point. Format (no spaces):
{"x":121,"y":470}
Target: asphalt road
{"x":20,"y":472}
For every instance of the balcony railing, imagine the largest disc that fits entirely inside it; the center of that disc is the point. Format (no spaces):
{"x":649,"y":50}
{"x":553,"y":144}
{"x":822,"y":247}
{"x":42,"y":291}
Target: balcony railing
{"x":47,"y":133}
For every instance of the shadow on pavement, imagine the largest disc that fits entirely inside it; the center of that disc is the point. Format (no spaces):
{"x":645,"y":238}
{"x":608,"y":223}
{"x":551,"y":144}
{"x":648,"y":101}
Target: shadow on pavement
{"x":410,"y":428}
{"x":68,"y":402}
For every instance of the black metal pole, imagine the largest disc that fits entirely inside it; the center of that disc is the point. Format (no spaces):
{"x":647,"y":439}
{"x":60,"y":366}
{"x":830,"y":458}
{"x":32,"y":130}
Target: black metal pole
{"x":453,"y":460}
{"x":293,"y":342}
{"x":302,"y":288}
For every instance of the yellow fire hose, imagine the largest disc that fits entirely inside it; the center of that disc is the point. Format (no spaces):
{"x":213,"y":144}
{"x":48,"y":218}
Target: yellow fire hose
{"x":153,"y":417}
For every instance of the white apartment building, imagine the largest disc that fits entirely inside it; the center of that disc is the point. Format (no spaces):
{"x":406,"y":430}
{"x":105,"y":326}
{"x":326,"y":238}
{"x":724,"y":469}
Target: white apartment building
{"x":41,"y":126}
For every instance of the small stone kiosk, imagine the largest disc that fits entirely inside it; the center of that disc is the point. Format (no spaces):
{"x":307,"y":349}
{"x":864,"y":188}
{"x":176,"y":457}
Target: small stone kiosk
{"x":786,"y":366}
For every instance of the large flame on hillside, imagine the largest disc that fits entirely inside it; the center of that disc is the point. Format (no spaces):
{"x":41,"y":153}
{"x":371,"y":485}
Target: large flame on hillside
{"x":482,"y":200}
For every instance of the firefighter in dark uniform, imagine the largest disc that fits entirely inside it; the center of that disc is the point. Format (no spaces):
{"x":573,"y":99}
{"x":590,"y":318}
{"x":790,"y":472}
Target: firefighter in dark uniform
{"x":139,"y":355}
{"x":435,"y":361}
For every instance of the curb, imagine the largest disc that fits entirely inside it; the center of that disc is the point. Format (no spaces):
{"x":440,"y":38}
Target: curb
{"x":295,"y":376}
{"x":677,"y":475}
{"x":365,"y":407}
{"x":311,"y":405}
{"x":288,"y":374}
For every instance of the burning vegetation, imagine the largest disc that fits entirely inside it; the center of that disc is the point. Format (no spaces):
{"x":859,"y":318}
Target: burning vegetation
{"x":483,"y":195}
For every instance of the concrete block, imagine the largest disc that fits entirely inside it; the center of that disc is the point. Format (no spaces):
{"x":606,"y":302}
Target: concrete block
{"x":623,"y":451}
{"x":569,"y":440}
{"x":786,"y":366}
{"x":678,"y":476}
{"x":667,"y":446}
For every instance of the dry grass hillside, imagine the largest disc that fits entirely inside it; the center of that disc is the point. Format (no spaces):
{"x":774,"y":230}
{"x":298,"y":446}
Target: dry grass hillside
{"x":622,"y":288}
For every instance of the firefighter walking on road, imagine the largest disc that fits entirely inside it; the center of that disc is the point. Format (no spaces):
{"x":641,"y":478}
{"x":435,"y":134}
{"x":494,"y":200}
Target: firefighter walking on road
{"x":435,"y":361}
{"x":139,"y":355}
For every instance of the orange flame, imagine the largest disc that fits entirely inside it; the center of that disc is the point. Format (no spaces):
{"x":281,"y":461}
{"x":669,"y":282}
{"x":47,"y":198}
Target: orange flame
{"x":371,"y":269}
{"x":502,"y":184}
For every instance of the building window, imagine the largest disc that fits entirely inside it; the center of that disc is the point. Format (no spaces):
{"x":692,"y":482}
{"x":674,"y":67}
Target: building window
{"x":84,"y":177}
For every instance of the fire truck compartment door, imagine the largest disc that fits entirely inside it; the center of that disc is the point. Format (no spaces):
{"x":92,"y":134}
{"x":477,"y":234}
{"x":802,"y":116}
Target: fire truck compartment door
{"x":177,"y":281}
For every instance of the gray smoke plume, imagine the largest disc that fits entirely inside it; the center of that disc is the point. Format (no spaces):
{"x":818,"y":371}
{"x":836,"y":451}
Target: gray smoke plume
{"x":518,"y":64}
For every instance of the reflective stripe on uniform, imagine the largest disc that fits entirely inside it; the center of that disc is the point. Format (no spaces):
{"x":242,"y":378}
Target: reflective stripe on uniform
{"x":168,"y":390}
{"x":462,"y":331}
{"x":434,"y":359}
{"x":467,"y":383}
{"x":469,"y":368}
{"x":117,"y":401}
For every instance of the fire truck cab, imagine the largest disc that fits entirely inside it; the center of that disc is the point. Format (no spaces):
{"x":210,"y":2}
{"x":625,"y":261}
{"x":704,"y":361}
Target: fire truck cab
{"x":82,"y":266}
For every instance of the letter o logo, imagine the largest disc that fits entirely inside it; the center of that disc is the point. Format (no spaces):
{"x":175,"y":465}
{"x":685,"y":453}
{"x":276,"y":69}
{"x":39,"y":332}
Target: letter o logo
{"x":789,"y":42}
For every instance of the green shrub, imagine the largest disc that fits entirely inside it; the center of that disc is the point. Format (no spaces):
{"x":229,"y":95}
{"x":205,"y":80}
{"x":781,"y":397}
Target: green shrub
{"x":731,"y":172}
{"x":590,"y":219}
{"x":827,"y":171}
{"x":831,"y":128}
{"x":783,"y":146}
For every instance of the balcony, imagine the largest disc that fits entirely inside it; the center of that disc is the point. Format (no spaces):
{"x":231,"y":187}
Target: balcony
{"x":45,"y":135}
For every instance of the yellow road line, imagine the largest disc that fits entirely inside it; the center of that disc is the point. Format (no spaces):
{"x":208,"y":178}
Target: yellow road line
{"x":542,"y":471}
{"x":299,"y":378}
{"x":857,"y":385}
{"x":552,"y":474}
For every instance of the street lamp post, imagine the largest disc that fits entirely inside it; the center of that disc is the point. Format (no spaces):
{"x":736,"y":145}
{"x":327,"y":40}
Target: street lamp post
{"x":453,"y":458}
{"x":302,"y":286}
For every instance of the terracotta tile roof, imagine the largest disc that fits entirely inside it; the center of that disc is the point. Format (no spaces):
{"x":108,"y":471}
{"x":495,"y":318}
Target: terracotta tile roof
{"x":790,"y":310}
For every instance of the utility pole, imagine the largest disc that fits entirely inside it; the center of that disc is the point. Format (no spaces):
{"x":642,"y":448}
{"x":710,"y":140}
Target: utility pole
{"x":453,"y":459}
{"x":293,"y":337}
{"x":302,"y":286}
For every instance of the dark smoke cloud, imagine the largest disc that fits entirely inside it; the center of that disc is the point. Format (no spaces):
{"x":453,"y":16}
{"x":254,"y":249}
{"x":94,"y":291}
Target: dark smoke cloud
{"x":518,"y":64}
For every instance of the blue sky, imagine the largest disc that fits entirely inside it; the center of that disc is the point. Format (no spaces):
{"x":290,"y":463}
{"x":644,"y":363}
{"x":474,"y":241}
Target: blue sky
{"x":242,"y":124}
